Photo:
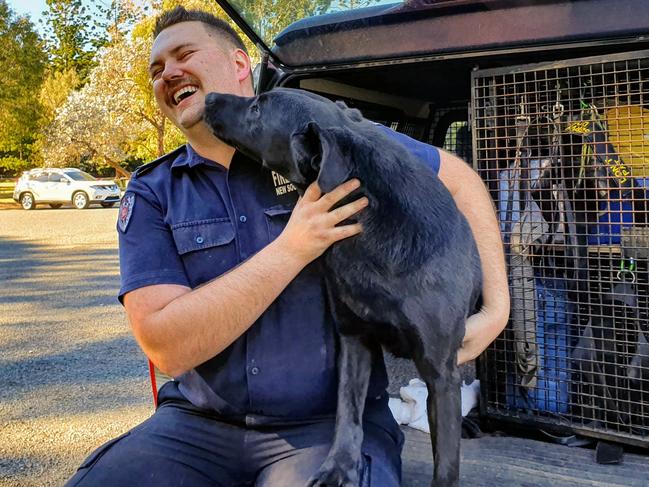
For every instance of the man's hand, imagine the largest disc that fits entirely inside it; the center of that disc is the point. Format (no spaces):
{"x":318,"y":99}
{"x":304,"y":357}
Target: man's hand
{"x":312,"y":226}
{"x":482,"y":328}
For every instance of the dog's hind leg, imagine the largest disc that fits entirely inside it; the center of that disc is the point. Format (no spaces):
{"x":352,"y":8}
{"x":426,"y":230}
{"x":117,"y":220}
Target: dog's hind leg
{"x":444,"y":418}
{"x":343,"y":463}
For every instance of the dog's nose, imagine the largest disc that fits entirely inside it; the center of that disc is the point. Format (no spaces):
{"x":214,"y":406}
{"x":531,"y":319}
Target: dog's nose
{"x":212,"y":98}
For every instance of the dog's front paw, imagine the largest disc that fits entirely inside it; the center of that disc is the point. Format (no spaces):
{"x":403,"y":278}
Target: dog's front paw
{"x":334,"y":473}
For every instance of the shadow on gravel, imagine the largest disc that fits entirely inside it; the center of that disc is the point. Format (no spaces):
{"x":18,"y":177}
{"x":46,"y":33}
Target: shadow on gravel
{"x":85,"y":364}
{"x":27,"y":265}
{"x":72,"y":375}
{"x":63,"y":334}
{"x":20,"y":468}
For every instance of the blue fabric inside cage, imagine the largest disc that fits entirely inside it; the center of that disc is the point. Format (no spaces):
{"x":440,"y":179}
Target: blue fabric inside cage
{"x":615,"y":213}
{"x":550,"y":392}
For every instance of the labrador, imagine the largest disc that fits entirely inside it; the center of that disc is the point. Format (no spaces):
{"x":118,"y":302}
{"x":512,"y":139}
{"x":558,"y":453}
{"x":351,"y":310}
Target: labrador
{"x":408,"y":281}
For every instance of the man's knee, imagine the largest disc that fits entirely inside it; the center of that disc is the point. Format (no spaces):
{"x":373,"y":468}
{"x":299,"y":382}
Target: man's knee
{"x":173,"y":447}
{"x":80,"y":476}
{"x":381,"y":459}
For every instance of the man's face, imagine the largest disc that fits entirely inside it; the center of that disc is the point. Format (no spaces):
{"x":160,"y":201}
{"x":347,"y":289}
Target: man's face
{"x":188,"y":61}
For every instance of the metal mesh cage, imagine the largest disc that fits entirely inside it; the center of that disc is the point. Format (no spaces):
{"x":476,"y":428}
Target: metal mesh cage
{"x":450,"y":130}
{"x":415,"y":128}
{"x":564,"y":150}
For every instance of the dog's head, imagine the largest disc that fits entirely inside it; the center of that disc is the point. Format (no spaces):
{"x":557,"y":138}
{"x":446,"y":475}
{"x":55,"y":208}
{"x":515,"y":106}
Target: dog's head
{"x":302,"y":136}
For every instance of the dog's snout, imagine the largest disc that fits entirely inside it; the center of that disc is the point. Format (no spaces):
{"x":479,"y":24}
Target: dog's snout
{"x":212,"y":99}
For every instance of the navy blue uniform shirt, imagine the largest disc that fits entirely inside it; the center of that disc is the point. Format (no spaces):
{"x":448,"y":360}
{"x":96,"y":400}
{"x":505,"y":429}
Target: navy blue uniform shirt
{"x":186,"y":220}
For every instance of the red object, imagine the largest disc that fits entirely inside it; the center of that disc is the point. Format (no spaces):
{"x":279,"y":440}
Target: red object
{"x":153,"y":383}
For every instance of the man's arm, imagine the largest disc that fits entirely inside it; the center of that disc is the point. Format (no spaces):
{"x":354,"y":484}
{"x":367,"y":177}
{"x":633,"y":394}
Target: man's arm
{"x":473,"y":200}
{"x":179,"y":328}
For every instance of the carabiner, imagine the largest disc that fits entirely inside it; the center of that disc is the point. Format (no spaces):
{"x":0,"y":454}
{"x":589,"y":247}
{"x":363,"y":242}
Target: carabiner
{"x":627,"y":270}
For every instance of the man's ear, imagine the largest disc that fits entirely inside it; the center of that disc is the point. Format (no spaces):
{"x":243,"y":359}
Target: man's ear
{"x":336,"y":162}
{"x":243,"y":70}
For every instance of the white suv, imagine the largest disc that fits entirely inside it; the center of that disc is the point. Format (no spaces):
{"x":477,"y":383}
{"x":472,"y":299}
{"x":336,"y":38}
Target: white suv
{"x":58,"y":186}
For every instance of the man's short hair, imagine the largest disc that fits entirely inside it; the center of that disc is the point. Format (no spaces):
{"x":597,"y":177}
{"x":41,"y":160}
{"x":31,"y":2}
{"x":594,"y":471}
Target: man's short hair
{"x":180,"y":14}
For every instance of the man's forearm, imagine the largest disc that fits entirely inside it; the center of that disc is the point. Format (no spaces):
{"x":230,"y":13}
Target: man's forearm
{"x":199,"y":324}
{"x":474,"y":202}
{"x":483,"y":327}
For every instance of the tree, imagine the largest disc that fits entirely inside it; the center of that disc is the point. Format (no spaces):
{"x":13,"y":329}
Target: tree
{"x":269,"y":17}
{"x":55,"y":89}
{"x":22,"y":62}
{"x":85,"y":129}
{"x":90,"y":124}
{"x":119,"y":17}
{"x":71,"y":36}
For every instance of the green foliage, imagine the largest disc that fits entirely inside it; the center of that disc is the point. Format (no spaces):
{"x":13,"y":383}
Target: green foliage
{"x":13,"y":165}
{"x":119,"y":17}
{"x":71,"y":36}
{"x":21,"y":63}
{"x":6,"y":191}
{"x":269,"y":17}
{"x":55,"y":89}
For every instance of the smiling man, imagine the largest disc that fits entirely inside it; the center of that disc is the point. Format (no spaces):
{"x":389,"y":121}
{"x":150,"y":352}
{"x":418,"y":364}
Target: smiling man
{"x":222,"y":293}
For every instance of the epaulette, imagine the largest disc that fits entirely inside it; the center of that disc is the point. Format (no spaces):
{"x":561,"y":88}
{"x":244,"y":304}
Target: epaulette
{"x":145,"y":168}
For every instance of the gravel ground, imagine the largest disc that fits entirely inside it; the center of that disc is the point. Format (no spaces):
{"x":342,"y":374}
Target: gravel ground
{"x":73,"y":375}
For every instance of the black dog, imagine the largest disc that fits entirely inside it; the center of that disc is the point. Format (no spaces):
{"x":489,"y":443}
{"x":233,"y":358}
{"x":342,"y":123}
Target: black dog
{"x":408,"y":281}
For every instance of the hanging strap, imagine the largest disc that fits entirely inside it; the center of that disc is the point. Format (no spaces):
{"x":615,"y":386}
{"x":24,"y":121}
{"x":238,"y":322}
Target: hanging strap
{"x":523,"y":234}
{"x":572,"y":249}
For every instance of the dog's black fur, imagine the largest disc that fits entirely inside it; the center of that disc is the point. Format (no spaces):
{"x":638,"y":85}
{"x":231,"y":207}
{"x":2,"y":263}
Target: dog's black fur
{"x":408,"y":281}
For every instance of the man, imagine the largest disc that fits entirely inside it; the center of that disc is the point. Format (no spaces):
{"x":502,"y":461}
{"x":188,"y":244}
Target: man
{"x":219,"y":285}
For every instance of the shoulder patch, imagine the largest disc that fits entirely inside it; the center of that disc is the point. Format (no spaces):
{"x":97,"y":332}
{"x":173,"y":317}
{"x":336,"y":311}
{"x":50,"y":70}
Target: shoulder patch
{"x":145,"y":168}
{"x":125,"y":210}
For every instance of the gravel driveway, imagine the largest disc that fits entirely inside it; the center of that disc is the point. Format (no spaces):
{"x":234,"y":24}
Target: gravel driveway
{"x":73,"y":376}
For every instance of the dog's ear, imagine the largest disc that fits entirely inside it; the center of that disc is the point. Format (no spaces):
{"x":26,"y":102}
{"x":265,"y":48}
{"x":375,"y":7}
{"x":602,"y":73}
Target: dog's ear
{"x":306,"y":150}
{"x":353,"y":113}
{"x":336,"y":161}
{"x":325,"y":153}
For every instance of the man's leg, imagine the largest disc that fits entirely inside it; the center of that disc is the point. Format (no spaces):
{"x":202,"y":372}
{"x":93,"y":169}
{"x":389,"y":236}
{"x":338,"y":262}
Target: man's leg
{"x":291,"y":455}
{"x":176,"y":446}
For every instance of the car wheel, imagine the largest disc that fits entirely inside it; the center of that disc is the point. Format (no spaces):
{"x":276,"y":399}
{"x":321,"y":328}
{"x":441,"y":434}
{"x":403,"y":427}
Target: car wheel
{"x":56,"y":205}
{"x":108,"y":205}
{"x":80,"y":200}
{"x":27,"y":201}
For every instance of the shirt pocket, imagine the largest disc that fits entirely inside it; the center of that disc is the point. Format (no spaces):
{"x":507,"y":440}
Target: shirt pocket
{"x":206,"y":247}
{"x":276,"y":219}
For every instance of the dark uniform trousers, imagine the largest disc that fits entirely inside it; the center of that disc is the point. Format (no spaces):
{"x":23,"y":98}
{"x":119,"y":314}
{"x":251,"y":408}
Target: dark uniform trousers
{"x":181,"y":445}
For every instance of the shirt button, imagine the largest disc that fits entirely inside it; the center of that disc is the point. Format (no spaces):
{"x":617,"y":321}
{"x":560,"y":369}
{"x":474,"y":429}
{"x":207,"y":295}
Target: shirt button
{"x":200,"y":240}
{"x":242,"y":218}
{"x":254,"y":370}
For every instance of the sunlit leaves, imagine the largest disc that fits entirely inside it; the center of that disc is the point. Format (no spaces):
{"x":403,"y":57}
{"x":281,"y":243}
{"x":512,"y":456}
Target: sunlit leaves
{"x":21,"y":70}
